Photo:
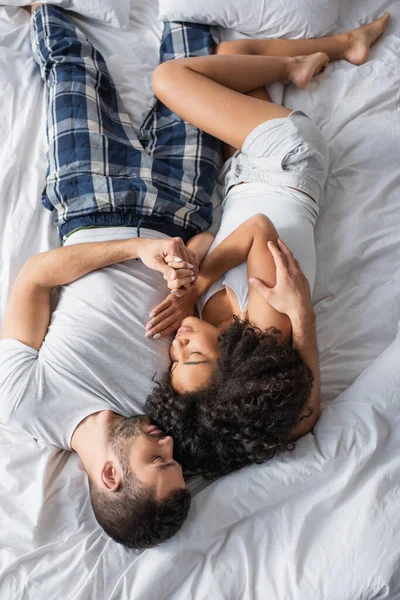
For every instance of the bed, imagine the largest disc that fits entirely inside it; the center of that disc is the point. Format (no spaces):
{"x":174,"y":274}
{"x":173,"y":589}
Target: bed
{"x":320,"y":522}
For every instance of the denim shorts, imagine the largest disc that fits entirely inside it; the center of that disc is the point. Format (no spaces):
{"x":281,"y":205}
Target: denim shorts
{"x":288,"y":152}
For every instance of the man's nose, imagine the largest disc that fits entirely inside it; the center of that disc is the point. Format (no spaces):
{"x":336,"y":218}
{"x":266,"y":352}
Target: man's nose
{"x":166,"y":443}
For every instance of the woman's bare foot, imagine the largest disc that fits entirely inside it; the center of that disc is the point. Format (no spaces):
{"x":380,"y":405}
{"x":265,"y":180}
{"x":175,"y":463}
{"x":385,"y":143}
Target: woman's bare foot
{"x":303,"y":68}
{"x":359,"y":41}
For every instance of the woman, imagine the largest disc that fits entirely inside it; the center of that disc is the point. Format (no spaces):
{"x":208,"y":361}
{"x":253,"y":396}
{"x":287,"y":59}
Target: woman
{"x":244,"y":381}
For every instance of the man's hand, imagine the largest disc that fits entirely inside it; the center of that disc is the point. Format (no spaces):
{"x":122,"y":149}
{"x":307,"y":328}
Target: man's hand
{"x":291,"y":294}
{"x":154,"y":254}
{"x":167,"y":316}
{"x":177,"y":284}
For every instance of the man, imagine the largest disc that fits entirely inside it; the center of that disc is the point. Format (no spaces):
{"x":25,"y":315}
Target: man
{"x":75,"y":377}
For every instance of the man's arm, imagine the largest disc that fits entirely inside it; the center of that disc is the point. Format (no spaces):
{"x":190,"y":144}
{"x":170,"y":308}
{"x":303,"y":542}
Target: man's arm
{"x":28,"y":312}
{"x":304,"y":339}
{"x":291,"y":296}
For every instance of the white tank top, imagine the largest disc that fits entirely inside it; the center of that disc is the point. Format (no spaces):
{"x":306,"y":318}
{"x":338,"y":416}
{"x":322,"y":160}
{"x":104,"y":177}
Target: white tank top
{"x":294,"y":216}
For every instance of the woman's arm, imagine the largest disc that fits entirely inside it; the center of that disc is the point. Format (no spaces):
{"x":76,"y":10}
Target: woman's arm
{"x":200,"y":245}
{"x":249,"y":242}
{"x":234,"y":250}
{"x":231,"y":252}
{"x":261,"y":265}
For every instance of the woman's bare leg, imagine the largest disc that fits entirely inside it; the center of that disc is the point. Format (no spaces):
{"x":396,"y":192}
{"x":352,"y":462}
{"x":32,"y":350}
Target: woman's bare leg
{"x":351,"y":45}
{"x":210,"y":91}
{"x":261,"y":94}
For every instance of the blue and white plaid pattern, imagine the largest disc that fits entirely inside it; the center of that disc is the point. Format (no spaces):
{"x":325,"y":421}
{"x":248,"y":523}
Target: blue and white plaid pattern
{"x":100,"y":172}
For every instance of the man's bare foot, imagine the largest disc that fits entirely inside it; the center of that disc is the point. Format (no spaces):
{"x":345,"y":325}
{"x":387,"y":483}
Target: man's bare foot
{"x":303,"y":68}
{"x":359,"y":41}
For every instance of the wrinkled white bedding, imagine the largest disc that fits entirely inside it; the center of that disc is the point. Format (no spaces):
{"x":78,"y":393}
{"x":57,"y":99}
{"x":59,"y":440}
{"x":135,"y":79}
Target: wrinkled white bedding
{"x":322,"y":522}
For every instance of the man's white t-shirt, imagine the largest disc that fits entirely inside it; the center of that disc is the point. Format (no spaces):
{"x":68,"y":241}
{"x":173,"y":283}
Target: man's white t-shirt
{"x":94,"y":357}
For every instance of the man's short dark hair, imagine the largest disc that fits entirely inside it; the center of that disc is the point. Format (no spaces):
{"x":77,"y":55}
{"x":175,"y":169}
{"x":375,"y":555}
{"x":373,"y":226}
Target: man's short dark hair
{"x":247,"y":412}
{"x":133,"y":517}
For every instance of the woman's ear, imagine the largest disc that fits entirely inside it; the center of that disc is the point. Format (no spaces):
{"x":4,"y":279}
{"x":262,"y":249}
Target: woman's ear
{"x":111,"y":476}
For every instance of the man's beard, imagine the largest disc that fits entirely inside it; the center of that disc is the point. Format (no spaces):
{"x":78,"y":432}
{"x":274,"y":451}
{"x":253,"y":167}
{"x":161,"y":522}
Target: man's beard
{"x":125,"y":431}
{"x":121,"y":434}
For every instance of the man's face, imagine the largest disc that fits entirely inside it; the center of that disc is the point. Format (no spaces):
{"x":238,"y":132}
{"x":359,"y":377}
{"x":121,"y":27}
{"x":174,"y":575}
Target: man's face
{"x":145,"y":451}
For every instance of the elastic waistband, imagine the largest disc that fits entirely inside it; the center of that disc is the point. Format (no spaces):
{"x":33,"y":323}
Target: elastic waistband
{"x":125,"y":219}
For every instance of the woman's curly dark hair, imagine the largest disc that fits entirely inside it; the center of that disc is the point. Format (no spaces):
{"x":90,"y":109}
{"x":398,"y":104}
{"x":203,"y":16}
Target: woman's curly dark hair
{"x":248,"y":410}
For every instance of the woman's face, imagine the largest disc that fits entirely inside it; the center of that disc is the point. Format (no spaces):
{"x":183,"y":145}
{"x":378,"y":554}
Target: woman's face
{"x":194,"y":354}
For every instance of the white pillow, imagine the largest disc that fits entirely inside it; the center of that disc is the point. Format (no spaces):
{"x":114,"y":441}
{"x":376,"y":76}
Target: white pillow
{"x":258,"y":18}
{"x":112,"y":12}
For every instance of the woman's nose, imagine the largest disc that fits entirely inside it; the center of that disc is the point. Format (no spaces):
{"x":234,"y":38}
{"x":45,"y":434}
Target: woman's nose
{"x":180,"y":343}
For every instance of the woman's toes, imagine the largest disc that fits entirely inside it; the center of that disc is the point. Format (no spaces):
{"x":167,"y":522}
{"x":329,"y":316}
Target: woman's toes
{"x":360,"y":40}
{"x":306,"y":67}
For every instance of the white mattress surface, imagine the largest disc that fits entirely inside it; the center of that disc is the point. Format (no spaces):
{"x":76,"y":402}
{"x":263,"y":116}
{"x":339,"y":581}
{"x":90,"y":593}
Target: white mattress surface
{"x":322,"y":522}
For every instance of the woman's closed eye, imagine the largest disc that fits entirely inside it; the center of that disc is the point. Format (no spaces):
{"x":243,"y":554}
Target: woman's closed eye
{"x":175,"y":362}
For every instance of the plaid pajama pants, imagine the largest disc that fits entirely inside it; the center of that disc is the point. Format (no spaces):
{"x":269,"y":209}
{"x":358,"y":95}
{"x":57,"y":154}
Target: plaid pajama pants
{"x":100,"y":171}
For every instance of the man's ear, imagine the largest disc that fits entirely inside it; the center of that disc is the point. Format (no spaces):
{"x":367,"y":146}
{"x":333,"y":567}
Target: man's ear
{"x":111,"y":476}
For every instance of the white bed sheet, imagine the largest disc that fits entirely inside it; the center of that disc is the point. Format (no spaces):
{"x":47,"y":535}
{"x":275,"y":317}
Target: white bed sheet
{"x":322,"y":522}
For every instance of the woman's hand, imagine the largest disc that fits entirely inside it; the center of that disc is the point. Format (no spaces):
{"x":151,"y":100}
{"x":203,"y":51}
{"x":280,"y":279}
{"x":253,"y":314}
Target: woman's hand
{"x":182,"y":277}
{"x":291,"y":294}
{"x":171,"y":258}
{"x":167,"y":316}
